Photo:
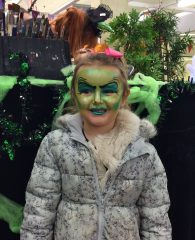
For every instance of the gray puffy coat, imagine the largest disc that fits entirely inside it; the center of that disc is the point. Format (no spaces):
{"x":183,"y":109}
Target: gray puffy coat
{"x":71,"y":196}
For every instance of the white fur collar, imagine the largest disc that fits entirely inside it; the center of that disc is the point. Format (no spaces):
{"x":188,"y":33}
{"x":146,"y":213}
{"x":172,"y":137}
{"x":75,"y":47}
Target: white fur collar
{"x":109,"y":148}
{"x":145,"y":129}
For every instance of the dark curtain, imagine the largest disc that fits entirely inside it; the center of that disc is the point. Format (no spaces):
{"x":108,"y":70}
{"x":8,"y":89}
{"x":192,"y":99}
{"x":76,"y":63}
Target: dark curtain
{"x":175,"y":144}
{"x":30,"y":106}
{"x":14,"y":174}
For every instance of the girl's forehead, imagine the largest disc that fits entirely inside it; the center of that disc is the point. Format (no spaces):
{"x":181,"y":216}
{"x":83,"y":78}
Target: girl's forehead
{"x":95,"y":74}
{"x":101,"y":68}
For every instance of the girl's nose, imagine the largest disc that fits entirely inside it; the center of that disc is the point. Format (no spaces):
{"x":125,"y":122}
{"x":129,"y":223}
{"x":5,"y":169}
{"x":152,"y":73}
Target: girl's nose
{"x":97,"y":97}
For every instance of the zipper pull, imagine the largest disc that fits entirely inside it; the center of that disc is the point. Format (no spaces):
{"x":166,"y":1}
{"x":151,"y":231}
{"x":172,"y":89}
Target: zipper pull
{"x":102,"y":207}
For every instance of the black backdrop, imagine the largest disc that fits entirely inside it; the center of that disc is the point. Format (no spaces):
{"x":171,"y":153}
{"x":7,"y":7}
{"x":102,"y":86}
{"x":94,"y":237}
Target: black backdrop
{"x":46,"y":57}
{"x":14,"y":174}
{"x":176,"y":146}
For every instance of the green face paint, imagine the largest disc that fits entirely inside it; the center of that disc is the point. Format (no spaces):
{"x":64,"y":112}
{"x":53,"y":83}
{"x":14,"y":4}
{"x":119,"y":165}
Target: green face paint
{"x":99,"y":95}
{"x":98,"y":89}
{"x":84,"y":87}
{"x":110,"y":88}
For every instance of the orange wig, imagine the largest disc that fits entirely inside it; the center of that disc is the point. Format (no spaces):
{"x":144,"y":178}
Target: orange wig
{"x":74,"y":26}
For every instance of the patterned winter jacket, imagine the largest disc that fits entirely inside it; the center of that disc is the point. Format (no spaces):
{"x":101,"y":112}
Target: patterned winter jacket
{"x":113,"y":188}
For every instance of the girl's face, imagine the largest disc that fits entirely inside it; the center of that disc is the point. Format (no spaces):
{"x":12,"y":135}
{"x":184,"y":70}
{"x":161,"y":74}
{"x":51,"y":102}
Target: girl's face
{"x":99,"y":94}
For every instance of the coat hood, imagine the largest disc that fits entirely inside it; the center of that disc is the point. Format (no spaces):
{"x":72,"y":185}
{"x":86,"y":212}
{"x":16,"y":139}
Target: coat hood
{"x":109,"y":148}
{"x":136,"y":127}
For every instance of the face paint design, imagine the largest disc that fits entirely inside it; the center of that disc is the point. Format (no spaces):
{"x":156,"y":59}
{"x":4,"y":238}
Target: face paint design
{"x":96,"y":97}
{"x":99,"y":92}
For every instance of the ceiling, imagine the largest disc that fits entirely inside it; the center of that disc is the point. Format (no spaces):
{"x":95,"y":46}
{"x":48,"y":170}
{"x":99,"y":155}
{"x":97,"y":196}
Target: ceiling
{"x":54,"y":7}
{"x":185,"y":14}
{"x":168,"y":4}
{"x":50,"y":6}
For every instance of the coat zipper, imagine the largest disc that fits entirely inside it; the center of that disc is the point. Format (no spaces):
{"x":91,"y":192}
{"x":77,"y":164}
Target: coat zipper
{"x":101,"y":219}
{"x":101,"y":201}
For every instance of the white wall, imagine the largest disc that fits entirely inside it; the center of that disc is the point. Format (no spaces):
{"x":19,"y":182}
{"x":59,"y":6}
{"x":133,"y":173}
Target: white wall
{"x":187,"y":23}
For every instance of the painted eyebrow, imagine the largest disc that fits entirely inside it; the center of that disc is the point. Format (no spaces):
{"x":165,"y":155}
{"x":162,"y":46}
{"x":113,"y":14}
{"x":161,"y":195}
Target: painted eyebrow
{"x":83,"y":84}
{"x":114,"y":80}
{"x":108,"y":84}
{"x":83,"y":80}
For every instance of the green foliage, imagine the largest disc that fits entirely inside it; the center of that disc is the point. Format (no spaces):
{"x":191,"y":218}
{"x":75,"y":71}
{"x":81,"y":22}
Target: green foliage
{"x":170,"y":45}
{"x":153,"y":46}
{"x":136,"y":38}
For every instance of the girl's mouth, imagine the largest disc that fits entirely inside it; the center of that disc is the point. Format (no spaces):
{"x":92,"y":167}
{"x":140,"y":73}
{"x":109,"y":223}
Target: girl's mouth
{"x":98,"y":111}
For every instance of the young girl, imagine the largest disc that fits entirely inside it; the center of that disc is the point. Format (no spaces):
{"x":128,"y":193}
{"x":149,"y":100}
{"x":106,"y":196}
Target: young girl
{"x":97,"y":177}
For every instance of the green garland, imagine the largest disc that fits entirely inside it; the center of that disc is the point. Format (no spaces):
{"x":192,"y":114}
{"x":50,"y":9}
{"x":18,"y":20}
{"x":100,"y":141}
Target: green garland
{"x":13,"y":135}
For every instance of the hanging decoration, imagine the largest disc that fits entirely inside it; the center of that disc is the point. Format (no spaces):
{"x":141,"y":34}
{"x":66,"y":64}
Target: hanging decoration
{"x":32,"y":5}
{"x":144,"y":90}
{"x":87,"y":25}
{"x":11,"y":212}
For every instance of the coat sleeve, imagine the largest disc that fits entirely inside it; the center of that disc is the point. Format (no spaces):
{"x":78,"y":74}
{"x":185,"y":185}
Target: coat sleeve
{"x":154,"y":203}
{"x":42,"y":196}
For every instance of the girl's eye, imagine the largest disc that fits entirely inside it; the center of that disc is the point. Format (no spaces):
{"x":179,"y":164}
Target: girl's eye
{"x":110,"y":88}
{"x":85,"y":88}
{"x":109,"y":91}
{"x":85,"y":91}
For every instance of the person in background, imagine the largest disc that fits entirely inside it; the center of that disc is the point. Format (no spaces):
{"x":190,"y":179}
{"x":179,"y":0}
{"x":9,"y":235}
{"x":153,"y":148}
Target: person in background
{"x":97,"y":176}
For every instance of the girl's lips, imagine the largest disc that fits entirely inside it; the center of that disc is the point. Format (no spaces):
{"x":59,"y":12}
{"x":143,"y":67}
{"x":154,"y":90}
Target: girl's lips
{"x":98,"y":111}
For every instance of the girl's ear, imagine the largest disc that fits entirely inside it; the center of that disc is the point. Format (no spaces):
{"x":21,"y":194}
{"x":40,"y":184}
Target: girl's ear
{"x":124,"y":98}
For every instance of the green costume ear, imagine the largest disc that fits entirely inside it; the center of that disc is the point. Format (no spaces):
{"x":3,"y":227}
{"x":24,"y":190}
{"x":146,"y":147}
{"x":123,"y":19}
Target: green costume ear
{"x":145,"y":93}
{"x":103,"y":26}
{"x":68,"y":73}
